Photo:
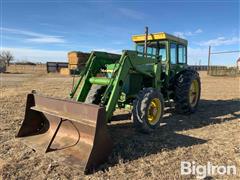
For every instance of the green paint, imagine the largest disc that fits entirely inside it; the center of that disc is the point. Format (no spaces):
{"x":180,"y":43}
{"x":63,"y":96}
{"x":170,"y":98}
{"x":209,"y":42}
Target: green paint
{"x":125,"y":75}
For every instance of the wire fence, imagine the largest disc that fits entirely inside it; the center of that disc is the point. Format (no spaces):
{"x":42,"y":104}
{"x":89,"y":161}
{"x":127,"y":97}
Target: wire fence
{"x":223,"y":70}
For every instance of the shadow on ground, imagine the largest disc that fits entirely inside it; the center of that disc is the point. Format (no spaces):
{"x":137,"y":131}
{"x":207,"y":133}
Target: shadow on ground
{"x":131,"y":145}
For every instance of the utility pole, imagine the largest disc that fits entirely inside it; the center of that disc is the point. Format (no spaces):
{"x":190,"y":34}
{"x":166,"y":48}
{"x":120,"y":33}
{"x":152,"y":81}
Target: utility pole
{"x":209,"y":59}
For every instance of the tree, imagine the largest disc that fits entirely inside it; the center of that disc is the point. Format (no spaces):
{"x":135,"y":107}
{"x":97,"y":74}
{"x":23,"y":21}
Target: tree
{"x":6,"y":57}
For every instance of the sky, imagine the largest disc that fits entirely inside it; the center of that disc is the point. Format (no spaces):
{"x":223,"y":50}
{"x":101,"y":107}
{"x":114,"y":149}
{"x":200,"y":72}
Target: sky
{"x":45,"y":30}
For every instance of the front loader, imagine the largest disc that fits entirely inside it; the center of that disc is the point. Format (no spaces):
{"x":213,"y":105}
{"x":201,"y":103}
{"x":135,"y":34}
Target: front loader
{"x":140,"y":80}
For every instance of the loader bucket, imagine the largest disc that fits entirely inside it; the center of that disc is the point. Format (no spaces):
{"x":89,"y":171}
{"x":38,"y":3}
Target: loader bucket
{"x":76,"y":131}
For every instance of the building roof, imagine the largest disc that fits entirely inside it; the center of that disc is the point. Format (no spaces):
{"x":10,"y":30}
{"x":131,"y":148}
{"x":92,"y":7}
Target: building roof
{"x":158,"y":36}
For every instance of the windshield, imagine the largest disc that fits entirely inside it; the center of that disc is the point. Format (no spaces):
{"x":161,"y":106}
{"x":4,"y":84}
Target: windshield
{"x":153,"y":50}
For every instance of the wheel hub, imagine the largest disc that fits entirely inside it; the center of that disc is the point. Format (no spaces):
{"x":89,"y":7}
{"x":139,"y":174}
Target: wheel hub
{"x":194,"y":93}
{"x":154,"y":111}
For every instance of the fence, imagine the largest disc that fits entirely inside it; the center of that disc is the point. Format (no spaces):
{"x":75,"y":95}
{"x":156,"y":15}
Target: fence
{"x":27,"y":68}
{"x":223,"y":70}
{"x":203,"y":67}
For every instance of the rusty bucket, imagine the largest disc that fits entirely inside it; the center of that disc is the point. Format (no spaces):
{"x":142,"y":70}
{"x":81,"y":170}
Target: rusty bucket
{"x":75,"y":130}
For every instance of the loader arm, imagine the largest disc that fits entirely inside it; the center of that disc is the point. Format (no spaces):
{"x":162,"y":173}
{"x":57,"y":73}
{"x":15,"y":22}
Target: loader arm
{"x":114,"y":84}
{"x":96,"y":61}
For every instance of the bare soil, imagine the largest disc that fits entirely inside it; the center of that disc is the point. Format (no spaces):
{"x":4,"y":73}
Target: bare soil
{"x":211,"y":134}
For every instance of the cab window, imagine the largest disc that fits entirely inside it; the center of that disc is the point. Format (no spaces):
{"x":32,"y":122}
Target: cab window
{"x":163,"y":52}
{"x":151,"y":51}
{"x":181,"y":54}
{"x":140,"y":49}
{"x":173,"y":53}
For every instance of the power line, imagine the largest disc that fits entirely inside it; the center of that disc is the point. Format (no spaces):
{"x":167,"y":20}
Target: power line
{"x":224,"y":52}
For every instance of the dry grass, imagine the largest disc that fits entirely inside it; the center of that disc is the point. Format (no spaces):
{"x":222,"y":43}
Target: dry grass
{"x":211,"y":134}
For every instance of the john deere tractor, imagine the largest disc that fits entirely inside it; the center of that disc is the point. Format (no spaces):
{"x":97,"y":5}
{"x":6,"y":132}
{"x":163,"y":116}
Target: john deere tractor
{"x":141,"y":80}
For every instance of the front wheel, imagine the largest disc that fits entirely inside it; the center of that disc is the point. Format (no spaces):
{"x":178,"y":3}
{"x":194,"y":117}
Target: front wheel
{"x":148,"y":110}
{"x":95,"y":94}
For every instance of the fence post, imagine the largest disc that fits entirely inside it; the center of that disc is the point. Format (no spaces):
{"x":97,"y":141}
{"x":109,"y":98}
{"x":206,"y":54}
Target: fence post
{"x":209,"y":57}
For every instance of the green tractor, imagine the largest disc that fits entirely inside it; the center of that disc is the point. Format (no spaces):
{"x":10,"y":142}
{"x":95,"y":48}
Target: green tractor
{"x":140,"y":80}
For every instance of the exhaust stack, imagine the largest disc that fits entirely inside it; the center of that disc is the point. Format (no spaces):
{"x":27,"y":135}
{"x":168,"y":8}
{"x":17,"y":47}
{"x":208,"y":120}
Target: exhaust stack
{"x":145,"y":42}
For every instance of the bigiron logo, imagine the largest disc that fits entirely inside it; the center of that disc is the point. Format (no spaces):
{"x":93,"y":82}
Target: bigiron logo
{"x":202,"y":171}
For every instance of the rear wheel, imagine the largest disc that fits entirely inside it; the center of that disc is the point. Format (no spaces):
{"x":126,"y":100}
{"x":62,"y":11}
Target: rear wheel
{"x":187,"y":92}
{"x":147,"y":110}
{"x":95,"y":94}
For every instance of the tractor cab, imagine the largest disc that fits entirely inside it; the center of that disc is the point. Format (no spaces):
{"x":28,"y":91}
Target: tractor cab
{"x":169,"y":49}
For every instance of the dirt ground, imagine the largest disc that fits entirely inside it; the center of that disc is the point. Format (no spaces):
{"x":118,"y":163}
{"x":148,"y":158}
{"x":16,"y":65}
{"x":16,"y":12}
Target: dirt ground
{"x":211,"y":134}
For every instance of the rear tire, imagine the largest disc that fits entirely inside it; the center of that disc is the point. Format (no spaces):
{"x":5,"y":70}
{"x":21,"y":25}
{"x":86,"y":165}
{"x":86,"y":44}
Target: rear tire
{"x":187,"y":92}
{"x":147,"y":110}
{"x":95,"y":94}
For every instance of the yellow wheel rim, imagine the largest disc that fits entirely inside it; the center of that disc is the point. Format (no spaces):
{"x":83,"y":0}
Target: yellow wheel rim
{"x":154,"y":111}
{"x":194,"y":93}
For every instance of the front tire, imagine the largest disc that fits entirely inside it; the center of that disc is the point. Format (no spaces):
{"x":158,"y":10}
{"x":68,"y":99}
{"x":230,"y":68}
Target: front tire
{"x":148,"y":110}
{"x":95,"y":94}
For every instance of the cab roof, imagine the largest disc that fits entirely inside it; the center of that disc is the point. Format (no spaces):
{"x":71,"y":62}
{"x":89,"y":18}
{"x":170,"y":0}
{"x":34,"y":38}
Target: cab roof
{"x":158,"y":36}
